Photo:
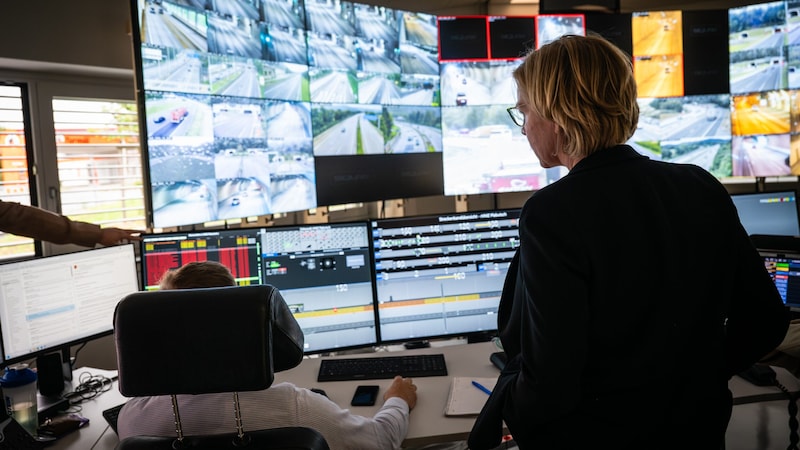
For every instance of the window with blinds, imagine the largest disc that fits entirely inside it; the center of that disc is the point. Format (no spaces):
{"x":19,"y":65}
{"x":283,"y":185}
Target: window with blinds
{"x":99,"y":162}
{"x":14,"y":183}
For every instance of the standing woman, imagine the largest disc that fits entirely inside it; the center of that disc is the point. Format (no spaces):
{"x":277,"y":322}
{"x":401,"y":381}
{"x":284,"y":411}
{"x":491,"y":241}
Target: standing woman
{"x":635,"y":294}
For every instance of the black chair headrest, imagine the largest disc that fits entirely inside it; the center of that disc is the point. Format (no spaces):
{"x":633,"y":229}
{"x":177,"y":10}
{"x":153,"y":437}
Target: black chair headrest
{"x":195,"y":341}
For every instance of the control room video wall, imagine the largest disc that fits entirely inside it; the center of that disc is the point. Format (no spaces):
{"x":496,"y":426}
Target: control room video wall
{"x":254,"y":107}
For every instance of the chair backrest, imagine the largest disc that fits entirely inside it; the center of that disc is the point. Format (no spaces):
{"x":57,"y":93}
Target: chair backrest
{"x":211,"y":340}
{"x":197,"y":341}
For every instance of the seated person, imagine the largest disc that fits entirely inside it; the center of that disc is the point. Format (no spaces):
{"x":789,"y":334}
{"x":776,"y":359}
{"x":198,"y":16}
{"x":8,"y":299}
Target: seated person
{"x":281,"y":405}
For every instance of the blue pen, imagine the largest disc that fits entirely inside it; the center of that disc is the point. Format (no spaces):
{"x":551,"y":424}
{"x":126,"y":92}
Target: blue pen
{"x":481,"y":387}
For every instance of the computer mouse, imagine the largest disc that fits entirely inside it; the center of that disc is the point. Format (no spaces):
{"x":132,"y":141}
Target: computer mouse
{"x":498,"y":359}
{"x":318,"y":391}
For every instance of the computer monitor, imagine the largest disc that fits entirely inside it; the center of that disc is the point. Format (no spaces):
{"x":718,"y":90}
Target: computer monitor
{"x":236,"y":249}
{"x":323,"y":272}
{"x":769,"y":213}
{"x":441,"y":276}
{"x":784,"y":268}
{"x":50,"y":303}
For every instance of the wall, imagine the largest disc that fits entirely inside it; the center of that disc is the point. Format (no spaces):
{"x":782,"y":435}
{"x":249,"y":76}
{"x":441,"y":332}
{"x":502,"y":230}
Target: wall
{"x":85,"y":32}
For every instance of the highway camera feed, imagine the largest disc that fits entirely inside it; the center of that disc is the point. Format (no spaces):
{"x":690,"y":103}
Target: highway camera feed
{"x":757,"y":35}
{"x":692,"y":130}
{"x":250,"y":106}
{"x":373,"y":129}
{"x":242,"y":97}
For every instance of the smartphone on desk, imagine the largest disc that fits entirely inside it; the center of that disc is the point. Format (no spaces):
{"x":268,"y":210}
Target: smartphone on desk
{"x":365,"y":395}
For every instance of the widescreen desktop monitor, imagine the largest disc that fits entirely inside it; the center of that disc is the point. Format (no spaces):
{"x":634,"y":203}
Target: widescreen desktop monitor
{"x":769,"y":213}
{"x":323,"y":272}
{"x":50,"y":303}
{"x":442,"y":275}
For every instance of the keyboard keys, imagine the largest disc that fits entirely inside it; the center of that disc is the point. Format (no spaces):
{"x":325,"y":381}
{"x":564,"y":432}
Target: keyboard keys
{"x":382,"y":367}
{"x":112,"y":415}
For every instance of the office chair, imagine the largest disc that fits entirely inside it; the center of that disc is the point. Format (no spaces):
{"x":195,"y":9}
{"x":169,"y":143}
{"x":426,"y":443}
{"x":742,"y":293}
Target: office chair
{"x":202,"y":341}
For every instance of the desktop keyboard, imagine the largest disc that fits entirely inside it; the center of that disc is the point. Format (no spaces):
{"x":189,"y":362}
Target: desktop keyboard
{"x":382,"y":367}
{"x":112,"y":415}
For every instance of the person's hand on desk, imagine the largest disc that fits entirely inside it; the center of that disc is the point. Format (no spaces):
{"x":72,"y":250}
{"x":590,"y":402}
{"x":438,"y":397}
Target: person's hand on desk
{"x":403,"y":388}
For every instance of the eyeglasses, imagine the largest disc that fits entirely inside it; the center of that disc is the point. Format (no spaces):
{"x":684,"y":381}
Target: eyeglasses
{"x":516,"y":116}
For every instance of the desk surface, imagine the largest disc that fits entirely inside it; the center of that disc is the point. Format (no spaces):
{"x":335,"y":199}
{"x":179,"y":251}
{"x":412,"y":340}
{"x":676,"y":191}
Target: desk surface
{"x":96,"y":434}
{"x":428,"y":422}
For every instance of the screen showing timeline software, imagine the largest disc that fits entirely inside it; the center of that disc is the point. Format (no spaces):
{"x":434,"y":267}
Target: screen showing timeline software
{"x":325,"y":276}
{"x":442,"y":275}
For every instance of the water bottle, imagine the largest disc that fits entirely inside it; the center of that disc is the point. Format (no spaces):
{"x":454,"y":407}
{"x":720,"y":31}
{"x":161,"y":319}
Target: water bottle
{"x":19,"y":390}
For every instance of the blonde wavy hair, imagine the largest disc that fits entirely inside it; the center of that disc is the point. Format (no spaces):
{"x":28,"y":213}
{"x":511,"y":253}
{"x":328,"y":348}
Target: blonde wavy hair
{"x":585,"y":85}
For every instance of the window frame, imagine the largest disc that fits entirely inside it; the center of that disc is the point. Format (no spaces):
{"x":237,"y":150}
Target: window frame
{"x":41,"y":88}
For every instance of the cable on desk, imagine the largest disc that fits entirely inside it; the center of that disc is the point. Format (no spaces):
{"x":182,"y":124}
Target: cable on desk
{"x":74,"y":358}
{"x":89,"y":386}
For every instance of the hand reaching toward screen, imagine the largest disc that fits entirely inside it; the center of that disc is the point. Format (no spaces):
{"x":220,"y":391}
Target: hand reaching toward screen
{"x":114,"y":236}
{"x":403,"y":388}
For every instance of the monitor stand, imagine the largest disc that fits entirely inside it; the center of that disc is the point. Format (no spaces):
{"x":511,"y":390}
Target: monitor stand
{"x":416,"y":344}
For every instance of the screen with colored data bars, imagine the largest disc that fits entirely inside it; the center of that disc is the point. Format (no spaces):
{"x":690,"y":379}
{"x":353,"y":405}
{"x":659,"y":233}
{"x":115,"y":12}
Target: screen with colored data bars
{"x":358,"y":284}
{"x":323,"y":272}
{"x":237,"y":250}
{"x":784,"y":268}
{"x":442,"y":275}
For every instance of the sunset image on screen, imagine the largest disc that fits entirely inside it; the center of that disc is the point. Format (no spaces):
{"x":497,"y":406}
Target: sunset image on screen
{"x":657,"y":33}
{"x":659,"y":76}
{"x":760,"y":113}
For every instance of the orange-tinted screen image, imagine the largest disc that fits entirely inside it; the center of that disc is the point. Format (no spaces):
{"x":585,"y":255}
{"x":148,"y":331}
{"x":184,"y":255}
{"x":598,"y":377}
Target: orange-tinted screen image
{"x":659,"y":76}
{"x":657,"y":33}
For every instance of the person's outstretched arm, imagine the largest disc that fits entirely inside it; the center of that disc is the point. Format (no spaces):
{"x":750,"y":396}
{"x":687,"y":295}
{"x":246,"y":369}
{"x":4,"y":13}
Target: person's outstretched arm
{"x":37,"y":223}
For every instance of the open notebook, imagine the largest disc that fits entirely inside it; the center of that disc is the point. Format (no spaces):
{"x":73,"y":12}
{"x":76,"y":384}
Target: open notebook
{"x":467,"y":399}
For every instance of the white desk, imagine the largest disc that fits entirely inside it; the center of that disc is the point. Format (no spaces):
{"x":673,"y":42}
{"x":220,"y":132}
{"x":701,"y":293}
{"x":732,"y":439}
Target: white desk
{"x":96,"y":434}
{"x":428,"y":423}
